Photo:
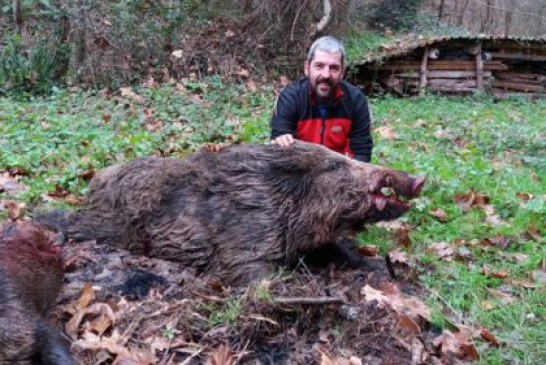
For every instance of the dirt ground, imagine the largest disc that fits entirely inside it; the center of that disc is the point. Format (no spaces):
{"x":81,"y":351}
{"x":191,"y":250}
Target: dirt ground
{"x":125,"y":309}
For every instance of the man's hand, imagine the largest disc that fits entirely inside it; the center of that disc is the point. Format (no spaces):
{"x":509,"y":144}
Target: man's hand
{"x":284,"y":141}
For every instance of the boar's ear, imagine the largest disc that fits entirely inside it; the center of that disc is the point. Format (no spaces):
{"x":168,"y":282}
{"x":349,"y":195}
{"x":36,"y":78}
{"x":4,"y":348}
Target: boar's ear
{"x":292,"y":176}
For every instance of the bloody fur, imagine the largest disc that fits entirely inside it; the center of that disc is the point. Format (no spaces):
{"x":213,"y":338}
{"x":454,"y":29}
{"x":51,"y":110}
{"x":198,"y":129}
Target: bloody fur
{"x":31,"y":275}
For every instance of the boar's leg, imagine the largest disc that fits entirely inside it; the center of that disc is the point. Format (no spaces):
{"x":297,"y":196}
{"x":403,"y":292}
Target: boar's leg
{"x":342,"y":252}
{"x":54,"y":348}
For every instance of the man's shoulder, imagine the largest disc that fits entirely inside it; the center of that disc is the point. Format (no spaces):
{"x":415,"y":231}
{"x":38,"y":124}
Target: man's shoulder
{"x":297,"y":86}
{"x":352,"y":90}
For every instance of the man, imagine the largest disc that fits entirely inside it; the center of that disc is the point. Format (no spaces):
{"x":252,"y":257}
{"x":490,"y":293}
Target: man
{"x":322,"y":108}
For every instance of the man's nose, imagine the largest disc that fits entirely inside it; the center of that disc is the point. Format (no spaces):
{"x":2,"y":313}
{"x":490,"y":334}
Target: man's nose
{"x":325,"y":73}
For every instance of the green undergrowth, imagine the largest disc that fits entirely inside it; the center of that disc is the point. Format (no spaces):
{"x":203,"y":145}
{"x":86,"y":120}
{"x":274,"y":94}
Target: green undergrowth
{"x":495,"y":149}
{"x":59,"y":141}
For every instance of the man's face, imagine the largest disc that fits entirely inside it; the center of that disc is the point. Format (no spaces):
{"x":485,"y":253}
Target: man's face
{"x":325,"y":71}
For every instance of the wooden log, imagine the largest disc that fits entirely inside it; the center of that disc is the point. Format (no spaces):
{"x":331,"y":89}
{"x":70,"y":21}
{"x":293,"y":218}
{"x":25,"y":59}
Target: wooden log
{"x":531,"y":76}
{"x":444,"y":75}
{"x":518,"y":56}
{"x":518,"y":86}
{"x":503,"y":94}
{"x":452,"y":83}
{"x":522,"y":80}
{"x":452,"y":90}
{"x":423,"y":72}
{"x":479,"y":69}
{"x":442,"y":65}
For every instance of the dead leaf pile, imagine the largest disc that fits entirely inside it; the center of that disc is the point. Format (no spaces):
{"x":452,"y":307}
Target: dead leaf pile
{"x":311,"y":316}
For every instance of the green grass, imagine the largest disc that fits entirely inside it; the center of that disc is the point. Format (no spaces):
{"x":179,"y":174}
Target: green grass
{"x":496,"y":149}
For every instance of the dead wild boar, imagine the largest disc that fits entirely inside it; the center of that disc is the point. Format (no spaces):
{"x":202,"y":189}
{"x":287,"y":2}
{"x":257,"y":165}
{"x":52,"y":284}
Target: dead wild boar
{"x":240,"y":212}
{"x":31,"y":275}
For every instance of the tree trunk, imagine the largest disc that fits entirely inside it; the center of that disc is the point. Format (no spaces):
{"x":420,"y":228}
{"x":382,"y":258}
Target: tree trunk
{"x":462,"y":10}
{"x":441,"y":10}
{"x":18,"y":17}
{"x":539,"y":31}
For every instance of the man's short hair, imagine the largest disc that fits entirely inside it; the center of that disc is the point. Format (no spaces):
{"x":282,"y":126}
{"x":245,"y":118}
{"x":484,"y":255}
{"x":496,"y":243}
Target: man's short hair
{"x":327,"y":44}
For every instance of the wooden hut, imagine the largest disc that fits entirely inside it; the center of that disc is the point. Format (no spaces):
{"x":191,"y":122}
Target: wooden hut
{"x":501,"y":66}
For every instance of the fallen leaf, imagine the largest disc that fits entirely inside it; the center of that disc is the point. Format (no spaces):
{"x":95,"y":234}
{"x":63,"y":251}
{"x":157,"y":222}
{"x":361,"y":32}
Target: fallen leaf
{"x":369,"y":251}
{"x":402,"y":304}
{"x":488,"y":336}
{"x":470,"y":200}
{"x":86,"y":297}
{"x":177,"y":53}
{"x":72,"y":327}
{"x":127,"y":92}
{"x":439,"y":214}
{"x":243,"y":73}
{"x":408,"y":324}
{"x":458,"y":345}
{"x":402,"y":237}
{"x":503,"y":295}
{"x":443,"y":250}
{"x":525,"y":197}
{"x":386,"y":132}
{"x":539,"y":276}
{"x":222,"y":356}
{"x":398,"y":257}
{"x":14,"y":209}
{"x":9,"y":184}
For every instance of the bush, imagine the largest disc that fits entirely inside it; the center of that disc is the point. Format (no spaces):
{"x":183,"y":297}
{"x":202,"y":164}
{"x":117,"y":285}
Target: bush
{"x":35,"y":70}
{"x":393,"y":14}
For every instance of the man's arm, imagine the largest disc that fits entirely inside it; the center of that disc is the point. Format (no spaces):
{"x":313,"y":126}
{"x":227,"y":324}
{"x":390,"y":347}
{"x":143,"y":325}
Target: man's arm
{"x":361,"y":137}
{"x":285,"y":116}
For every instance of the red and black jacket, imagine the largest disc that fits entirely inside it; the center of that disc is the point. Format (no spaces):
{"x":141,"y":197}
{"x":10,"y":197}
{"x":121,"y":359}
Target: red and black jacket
{"x":346,"y":129}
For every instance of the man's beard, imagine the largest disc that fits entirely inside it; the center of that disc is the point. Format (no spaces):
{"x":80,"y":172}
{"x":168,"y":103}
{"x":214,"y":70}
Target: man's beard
{"x":324,"y":81}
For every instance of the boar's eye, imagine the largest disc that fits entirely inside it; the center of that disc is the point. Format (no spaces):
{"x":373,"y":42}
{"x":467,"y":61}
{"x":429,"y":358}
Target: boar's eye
{"x":389,"y":181}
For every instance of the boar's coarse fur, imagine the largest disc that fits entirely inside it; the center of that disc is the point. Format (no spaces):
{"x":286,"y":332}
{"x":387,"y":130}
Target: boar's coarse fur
{"x":240,"y":212}
{"x":31,"y":275}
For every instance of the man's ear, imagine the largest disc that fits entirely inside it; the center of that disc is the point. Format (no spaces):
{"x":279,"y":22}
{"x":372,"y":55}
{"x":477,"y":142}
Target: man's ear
{"x":306,"y":68}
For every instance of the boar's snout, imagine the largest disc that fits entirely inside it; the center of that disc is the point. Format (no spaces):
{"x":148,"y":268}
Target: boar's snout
{"x":417,"y":185}
{"x":388,"y":197}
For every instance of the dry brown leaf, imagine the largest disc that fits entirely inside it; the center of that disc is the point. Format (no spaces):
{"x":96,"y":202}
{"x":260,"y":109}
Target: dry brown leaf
{"x":534,"y":233}
{"x":502,"y":295}
{"x":488,"y":336}
{"x":353,"y":360}
{"x":443,"y":250}
{"x":127,"y":92}
{"x":398,"y":257}
{"x":525,"y":197}
{"x":14,"y":209}
{"x":386,"y":132}
{"x":370,"y":251}
{"x":86,"y":297}
{"x":408,"y":324}
{"x":539,"y":277}
{"x":439,"y":214}
{"x":402,"y":236}
{"x":400,"y":303}
{"x":222,"y":356}
{"x":92,"y":342}
{"x":418,"y":352}
{"x":458,"y":345}
{"x":101,"y":324}
{"x":470,"y":200}
{"x":9,"y":184}
{"x":73,"y":325}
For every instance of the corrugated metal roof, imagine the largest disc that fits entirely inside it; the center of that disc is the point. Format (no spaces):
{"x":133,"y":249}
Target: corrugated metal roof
{"x":409,"y":44}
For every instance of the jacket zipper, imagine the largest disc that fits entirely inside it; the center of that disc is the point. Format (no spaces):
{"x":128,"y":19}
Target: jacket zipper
{"x":322,"y":131}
